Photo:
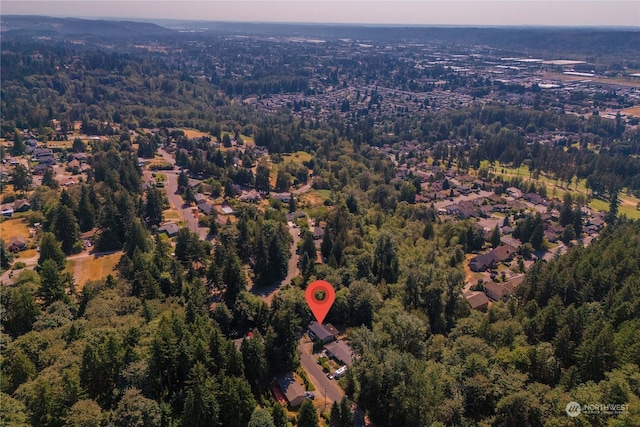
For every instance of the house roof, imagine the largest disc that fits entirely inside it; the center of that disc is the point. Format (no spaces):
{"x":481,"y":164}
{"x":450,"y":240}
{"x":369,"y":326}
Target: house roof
{"x":341,"y":351}
{"x":170,"y":228}
{"x":477,"y":299}
{"x":291,"y":388}
{"x":320,"y":331}
{"x":497,"y":291}
{"x":20,"y":203}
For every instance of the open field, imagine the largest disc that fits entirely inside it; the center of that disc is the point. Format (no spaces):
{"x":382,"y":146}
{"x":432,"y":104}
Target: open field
{"x":194,"y":133}
{"x":60,"y":144}
{"x":633,"y":111}
{"x":297,"y":157}
{"x":13,"y":228}
{"x":313,"y":199}
{"x":92,"y":268}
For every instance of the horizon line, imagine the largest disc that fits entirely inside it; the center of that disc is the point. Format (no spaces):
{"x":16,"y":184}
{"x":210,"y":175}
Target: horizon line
{"x":326,"y":24}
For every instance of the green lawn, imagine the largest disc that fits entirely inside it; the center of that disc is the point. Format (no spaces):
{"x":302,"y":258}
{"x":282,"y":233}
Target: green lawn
{"x":297,"y":157}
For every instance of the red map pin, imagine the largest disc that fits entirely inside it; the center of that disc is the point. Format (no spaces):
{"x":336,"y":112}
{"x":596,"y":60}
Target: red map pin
{"x":320,"y":296}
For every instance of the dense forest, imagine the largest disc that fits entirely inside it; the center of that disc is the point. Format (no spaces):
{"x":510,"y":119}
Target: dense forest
{"x":152,"y":343}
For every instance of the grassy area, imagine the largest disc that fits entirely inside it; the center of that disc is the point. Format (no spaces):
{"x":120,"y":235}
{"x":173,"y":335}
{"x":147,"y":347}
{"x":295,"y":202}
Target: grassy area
{"x":159,"y":177}
{"x":314,"y":198}
{"x":194,"y":133}
{"x":29,"y":253}
{"x":13,"y":228}
{"x":171,"y":214}
{"x":627,"y":209}
{"x":60,"y":144}
{"x":297,"y":157}
{"x":93,"y":268}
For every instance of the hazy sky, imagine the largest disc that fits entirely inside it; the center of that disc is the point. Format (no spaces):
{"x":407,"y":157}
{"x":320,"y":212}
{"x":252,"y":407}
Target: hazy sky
{"x":436,"y":12}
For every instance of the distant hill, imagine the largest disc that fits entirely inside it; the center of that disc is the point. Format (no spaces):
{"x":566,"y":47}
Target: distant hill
{"x":532,"y":40}
{"x":51,"y":26}
{"x":576,"y":40}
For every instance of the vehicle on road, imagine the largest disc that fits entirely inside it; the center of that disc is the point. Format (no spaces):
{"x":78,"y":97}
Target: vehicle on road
{"x":310,"y":395}
{"x":340,"y":372}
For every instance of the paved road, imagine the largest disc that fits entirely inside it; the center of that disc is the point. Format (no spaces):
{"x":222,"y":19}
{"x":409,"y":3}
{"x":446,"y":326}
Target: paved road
{"x":175,"y":199}
{"x":319,"y":379}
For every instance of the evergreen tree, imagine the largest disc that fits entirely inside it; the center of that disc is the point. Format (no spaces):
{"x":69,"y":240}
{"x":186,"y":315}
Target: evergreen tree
{"x":65,"y":227}
{"x":153,"y":207}
{"x":22,"y":178}
{"x":327,"y":244}
{"x":50,"y":250}
{"x":346,"y":416}
{"x":614,"y":203}
{"x":334,"y":416}
{"x":292,"y":203}
{"x":279,"y":416}
{"x":21,"y":310}
{"x":428,"y":232}
{"x":536,"y":239}
{"x":309,"y":246}
{"x":201,"y":408}
{"x":183,"y":180}
{"x":385,"y":260}
{"x":18,"y":148}
{"x":495,"y":237}
{"x":233,"y":277}
{"x":137,"y":238}
{"x":78,"y":146}
{"x":101,"y":363}
{"x":254,"y":359}
{"x":86,"y":212}
{"x":262,"y":178}
{"x":51,"y":282}
{"x":5,"y":256}
{"x":307,"y":415}
{"x":49,"y":180}
{"x":236,"y":401}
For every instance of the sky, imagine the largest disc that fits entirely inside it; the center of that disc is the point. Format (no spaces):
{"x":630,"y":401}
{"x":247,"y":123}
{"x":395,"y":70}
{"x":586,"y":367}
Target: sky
{"x":624,"y":13}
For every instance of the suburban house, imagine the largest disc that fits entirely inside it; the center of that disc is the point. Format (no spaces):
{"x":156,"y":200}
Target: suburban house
{"x":498,"y":291}
{"x":170,"y":229}
{"x":477,"y":300}
{"x":340,"y":351}
{"x":492,"y":258}
{"x":205,"y":207}
{"x":318,"y":233}
{"x":323,"y":333}
{"x":21,"y":205}
{"x":292,"y":390}
{"x":251,"y":196}
{"x":17,"y":244}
